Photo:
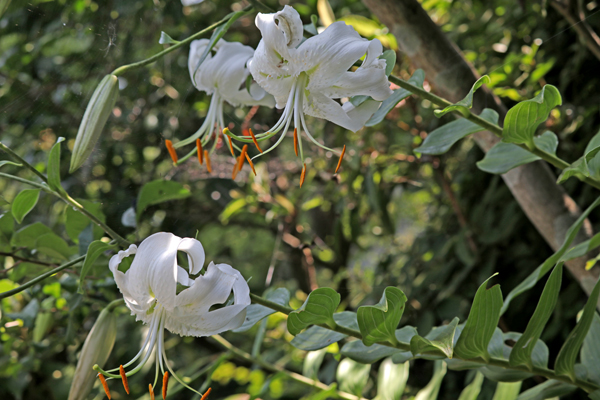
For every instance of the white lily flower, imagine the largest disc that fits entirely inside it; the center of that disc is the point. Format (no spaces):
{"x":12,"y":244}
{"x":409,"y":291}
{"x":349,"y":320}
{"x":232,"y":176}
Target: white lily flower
{"x":223,"y":76}
{"x":150,"y":291}
{"x":306,"y":76}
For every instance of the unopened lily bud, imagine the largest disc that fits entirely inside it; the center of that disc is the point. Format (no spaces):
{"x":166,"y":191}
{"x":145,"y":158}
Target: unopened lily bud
{"x":94,"y":119}
{"x":96,"y":349}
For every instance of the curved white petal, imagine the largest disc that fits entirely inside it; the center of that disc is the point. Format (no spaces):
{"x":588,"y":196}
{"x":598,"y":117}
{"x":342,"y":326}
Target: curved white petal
{"x":133,"y":301}
{"x":364,"y":81}
{"x":361,"y":114}
{"x":281,"y":32}
{"x":321,"y":106}
{"x":195,"y":253}
{"x":197,"y":48}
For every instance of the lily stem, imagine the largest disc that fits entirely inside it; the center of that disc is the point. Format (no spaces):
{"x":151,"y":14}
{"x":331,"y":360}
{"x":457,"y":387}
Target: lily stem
{"x":125,"y":68}
{"x":495,"y":129}
{"x":271,"y":367}
{"x":545,"y":372}
{"x":22,"y":161}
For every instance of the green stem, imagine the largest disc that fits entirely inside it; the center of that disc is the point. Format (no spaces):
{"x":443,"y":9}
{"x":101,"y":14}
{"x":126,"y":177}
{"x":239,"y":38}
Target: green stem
{"x":547,"y":373}
{"x":271,"y":367}
{"x":495,"y":129}
{"x":22,"y":161}
{"x":40,"y":278}
{"x":122,"y":69}
{"x":28,"y":182}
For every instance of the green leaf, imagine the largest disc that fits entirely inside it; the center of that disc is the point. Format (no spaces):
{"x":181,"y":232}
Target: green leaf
{"x":27,"y":236}
{"x":316,"y":337}
{"x":437,"y":343}
{"x":317,"y":309}
{"x":54,"y":166}
{"x":465,"y":104}
{"x":546,"y":390}
{"x":586,"y":166}
{"x":523,"y":119}
{"x":390,"y":61}
{"x":590,"y":351}
{"x":256,"y":312}
{"x":595,"y":395}
{"x":565,"y":361}
{"x":378,"y":323}
{"x":7,"y":227}
{"x":507,"y":390}
{"x":218,"y":33}
{"x":94,"y":251}
{"x":582,"y":248}
{"x":24,"y":203}
{"x":545,"y":267}
{"x":352,"y":376}
{"x":388,"y":104}
{"x":391,"y":380}
{"x":312,"y":363}
{"x":166,"y":39}
{"x":357,"y":351}
{"x":481,"y":324}
{"x":53,"y":246}
{"x":431,"y":391}
{"x":76,"y":222}
{"x":159,"y":191}
{"x":441,"y":139}
{"x":522,"y":350}
{"x":472,"y":390}
{"x":6,"y":162}
{"x":505,"y":156}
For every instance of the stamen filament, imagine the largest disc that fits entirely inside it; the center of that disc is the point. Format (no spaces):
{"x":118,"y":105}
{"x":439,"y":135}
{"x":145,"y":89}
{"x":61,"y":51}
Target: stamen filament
{"x":104,"y":385}
{"x":151,"y":391}
{"x":165,"y":384}
{"x":171,"y":150}
{"x":124,"y":378}
{"x":251,"y":164}
{"x":340,"y":161}
{"x":303,"y":174}
{"x":296,"y":141}
{"x":205,"y":395}
{"x":200,"y":152}
{"x":207,"y":157}
{"x":254,"y":139}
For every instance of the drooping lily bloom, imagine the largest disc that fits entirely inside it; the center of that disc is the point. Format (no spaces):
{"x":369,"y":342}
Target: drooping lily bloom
{"x":222,"y":75}
{"x":150,"y":290}
{"x":306,"y":77}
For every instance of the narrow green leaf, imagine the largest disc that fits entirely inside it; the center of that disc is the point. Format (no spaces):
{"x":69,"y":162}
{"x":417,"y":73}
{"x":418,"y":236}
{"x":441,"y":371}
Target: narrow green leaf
{"x":586,"y":166}
{"x":317,"y":309}
{"x":545,"y":267}
{"x":53,"y":246}
{"x":256,"y":312}
{"x":166,"y":39}
{"x":352,"y":376}
{"x":24,"y":203}
{"x":6,"y":162}
{"x":54,"y":166}
{"x":94,"y":251}
{"x":431,"y":391}
{"x":391,"y":380}
{"x":159,"y":191}
{"x":441,"y":139}
{"x":312,"y":363}
{"x":439,"y":343}
{"x":378,"y":323}
{"x":522,"y":350}
{"x":417,"y":79}
{"x":481,"y":324}
{"x":547,"y":390}
{"x":465,"y":104}
{"x":390,"y":61}
{"x":565,"y":361}
{"x":590,"y":351}
{"x":582,"y":248}
{"x":523,"y":119}
{"x":218,"y":33}
{"x":505,"y":156}
{"x":472,"y":390}
{"x":507,"y":390}
{"x":316,"y":337}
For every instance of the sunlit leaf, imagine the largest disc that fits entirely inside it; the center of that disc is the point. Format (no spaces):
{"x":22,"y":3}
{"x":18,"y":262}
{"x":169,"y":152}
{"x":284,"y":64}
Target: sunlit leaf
{"x":54,"y":166}
{"x":159,"y":191}
{"x":431,"y":391}
{"x":77,"y":222}
{"x":507,"y":390}
{"x":472,"y":390}
{"x":378,"y":323}
{"x":27,"y":236}
{"x":312,"y":363}
{"x":391,"y":380}
{"x":53,"y":246}
{"x":546,"y":390}
{"x":352,"y":377}
{"x":316,"y":337}
{"x":464,"y":105}
{"x":256,"y":312}
{"x":438,"y":343}
{"x":317,"y":309}
{"x":24,"y":203}
{"x":93,"y":252}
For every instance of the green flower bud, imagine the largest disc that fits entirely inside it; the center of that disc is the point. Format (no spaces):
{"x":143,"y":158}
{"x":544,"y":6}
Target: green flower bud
{"x":95,"y":350}
{"x":94,"y":119}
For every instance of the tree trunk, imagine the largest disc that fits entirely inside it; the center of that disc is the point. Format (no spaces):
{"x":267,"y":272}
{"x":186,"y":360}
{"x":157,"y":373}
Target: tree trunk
{"x":545,"y":203}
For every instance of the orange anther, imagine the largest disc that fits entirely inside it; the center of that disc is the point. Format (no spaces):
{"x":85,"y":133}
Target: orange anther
{"x":151,"y":391}
{"x":104,"y":385}
{"x":207,"y":157}
{"x":251,"y":164}
{"x":205,"y":395}
{"x":165,"y":383}
{"x":255,"y":141}
{"x":172,"y":152}
{"x":230,"y":146}
{"x":240,"y":162}
{"x":124,"y":378}
{"x":340,"y":161}
{"x":296,"y":141}
{"x":200,"y":152}
{"x":302,"y":174}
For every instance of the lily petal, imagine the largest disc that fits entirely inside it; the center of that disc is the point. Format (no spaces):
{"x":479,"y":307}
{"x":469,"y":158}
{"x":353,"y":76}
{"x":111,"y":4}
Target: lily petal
{"x":320,"y":106}
{"x":195,"y":253}
{"x":282,"y":32}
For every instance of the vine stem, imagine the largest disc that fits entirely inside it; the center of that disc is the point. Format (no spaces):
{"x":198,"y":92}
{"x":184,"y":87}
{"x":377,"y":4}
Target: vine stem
{"x":271,"y":367}
{"x":124,"y":68}
{"x":495,"y":129}
{"x":545,"y":372}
